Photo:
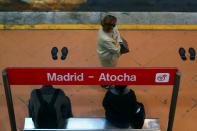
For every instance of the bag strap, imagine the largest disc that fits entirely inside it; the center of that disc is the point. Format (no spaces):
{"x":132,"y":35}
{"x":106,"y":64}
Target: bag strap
{"x":39,"y":95}
{"x":54,"y":98}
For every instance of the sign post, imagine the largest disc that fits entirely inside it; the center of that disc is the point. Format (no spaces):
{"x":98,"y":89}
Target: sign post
{"x":91,"y":76}
{"x":174,"y":97}
{"x":8,"y":95}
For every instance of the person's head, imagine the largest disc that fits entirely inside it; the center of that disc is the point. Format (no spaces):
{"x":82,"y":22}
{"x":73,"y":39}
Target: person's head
{"x":108,"y":23}
{"x":47,"y":85}
{"x":120,"y":88}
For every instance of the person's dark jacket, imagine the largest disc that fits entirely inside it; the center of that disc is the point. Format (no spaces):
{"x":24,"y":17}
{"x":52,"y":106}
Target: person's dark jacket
{"x":62,"y":105}
{"x":120,"y":108}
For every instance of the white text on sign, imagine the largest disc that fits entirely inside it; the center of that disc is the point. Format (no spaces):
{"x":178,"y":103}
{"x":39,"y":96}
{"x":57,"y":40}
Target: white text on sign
{"x":106,"y":77}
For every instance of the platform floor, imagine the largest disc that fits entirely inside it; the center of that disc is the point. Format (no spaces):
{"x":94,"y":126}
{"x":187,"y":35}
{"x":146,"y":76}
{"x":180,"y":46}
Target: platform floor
{"x":94,"y":124}
{"x":25,"y":48}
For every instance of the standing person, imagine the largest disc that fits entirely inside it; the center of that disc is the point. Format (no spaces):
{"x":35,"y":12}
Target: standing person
{"x":122,"y":109}
{"x":108,"y":43}
{"x":49,"y":107}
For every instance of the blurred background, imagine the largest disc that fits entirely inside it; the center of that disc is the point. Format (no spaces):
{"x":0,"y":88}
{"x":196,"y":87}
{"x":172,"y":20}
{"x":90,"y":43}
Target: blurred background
{"x":99,"y":5}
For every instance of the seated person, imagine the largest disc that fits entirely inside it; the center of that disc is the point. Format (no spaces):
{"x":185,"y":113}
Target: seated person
{"x":122,"y":109}
{"x":49,"y":107}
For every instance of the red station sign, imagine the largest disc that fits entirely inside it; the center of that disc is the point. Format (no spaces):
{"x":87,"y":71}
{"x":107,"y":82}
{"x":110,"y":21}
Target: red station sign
{"x":91,"y":76}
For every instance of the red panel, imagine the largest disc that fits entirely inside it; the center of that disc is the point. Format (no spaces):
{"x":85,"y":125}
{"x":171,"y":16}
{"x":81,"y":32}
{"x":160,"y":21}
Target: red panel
{"x":91,"y":76}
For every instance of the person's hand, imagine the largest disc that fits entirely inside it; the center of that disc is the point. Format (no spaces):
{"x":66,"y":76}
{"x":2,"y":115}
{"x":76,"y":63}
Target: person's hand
{"x":120,"y":42}
{"x":117,"y":45}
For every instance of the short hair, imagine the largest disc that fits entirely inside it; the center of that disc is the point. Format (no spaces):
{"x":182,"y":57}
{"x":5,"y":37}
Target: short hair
{"x":108,"y":22}
{"x":47,"y":85}
{"x":120,"y":88}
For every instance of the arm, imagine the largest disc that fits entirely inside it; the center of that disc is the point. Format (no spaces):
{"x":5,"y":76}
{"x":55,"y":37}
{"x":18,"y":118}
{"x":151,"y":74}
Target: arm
{"x":134,"y":101}
{"x":31,"y":106}
{"x":70,"y":114}
{"x":66,"y":108}
{"x":117,"y":35}
{"x":112,"y":47}
{"x":106,"y":101}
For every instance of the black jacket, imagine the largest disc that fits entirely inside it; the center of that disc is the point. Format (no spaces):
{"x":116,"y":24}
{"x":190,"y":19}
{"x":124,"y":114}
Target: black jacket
{"x":62,"y":105}
{"x":120,"y":108}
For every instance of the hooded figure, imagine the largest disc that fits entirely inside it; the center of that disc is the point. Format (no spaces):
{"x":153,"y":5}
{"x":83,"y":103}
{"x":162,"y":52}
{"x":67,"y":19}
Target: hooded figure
{"x":122,"y":109}
{"x":38,"y":102}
